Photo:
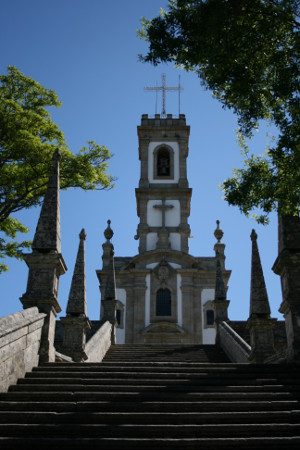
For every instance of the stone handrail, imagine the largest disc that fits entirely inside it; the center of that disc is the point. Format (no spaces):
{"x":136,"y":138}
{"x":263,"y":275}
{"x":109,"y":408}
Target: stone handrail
{"x":234,"y":346}
{"x":99,"y":343}
{"x":20,"y":336}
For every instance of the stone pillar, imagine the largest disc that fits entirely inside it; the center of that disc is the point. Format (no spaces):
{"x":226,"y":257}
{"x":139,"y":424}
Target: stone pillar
{"x":76,"y":323}
{"x":259,"y":324}
{"x":46,"y":264}
{"x":109,"y":303}
{"x":220,"y":302}
{"x":287,"y":265}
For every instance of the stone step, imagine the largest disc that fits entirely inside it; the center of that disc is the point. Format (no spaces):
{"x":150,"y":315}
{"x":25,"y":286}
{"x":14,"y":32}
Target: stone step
{"x":154,"y":396}
{"x":77,"y":403}
{"x":71,"y":384}
{"x":257,"y":443}
{"x":201,"y":367}
{"x":114,"y":418}
{"x":24,"y":393}
{"x":149,"y":431}
{"x":236,"y":383}
{"x":140,"y":365}
{"x":189,"y":389}
{"x":203,"y":376}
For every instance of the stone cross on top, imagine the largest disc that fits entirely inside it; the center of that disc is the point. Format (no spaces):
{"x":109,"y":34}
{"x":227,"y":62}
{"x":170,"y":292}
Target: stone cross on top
{"x":165,"y":88}
{"x":164,"y":209}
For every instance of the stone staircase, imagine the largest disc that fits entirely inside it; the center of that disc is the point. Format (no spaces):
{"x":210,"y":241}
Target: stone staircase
{"x":161,"y":397}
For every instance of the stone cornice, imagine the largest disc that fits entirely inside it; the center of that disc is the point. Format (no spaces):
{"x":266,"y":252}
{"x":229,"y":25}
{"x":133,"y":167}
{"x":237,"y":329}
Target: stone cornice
{"x":46,"y":260}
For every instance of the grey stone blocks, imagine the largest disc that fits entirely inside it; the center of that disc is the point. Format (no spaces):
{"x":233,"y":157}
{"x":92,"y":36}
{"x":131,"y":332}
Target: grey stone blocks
{"x":20,"y":336}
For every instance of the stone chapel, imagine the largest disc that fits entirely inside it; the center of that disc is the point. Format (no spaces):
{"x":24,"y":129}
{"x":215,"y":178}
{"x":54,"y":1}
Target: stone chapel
{"x":164,"y":294}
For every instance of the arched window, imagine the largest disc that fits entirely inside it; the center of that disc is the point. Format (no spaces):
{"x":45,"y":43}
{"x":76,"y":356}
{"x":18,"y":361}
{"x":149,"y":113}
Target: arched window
{"x":163,"y":302}
{"x":163,"y":162}
{"x":210,"y":317}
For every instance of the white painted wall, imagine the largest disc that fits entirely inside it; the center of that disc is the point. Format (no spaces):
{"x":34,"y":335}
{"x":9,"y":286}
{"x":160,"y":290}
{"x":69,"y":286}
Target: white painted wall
{"x":120,"y":332}
{"x":209,"y":334}
{"x":175,"y":241}
{"x":172,"y":217}
{"x":151,"y":241}
{"x":152,"y":147}
{"x":154,"y":215}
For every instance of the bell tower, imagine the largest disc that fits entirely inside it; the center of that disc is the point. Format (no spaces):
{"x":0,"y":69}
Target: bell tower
{"x":163,"y":196}
{"x":165,"y":294}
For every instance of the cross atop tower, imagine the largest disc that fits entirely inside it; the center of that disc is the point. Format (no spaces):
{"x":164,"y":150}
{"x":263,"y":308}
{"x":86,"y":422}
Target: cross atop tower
{"x":165,"y":88}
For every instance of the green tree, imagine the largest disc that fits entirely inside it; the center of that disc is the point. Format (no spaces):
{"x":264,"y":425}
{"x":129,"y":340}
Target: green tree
{"x":28,"y":138}
{"x":247,"y":53}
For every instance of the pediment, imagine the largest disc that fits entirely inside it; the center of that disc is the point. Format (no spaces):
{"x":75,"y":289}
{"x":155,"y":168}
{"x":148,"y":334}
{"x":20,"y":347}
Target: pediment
{"x":142,"y":260}
{"x":163,"y":327}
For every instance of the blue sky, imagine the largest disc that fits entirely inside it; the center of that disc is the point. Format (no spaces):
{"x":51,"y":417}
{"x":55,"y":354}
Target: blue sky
{"x":86,"y":50}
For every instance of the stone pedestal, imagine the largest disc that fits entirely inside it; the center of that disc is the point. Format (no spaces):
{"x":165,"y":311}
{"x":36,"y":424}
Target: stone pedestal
{"x":261,"y":338}
{"x":221,"y":310}
{"x":75,"y":328}
{"x":42,"y":291}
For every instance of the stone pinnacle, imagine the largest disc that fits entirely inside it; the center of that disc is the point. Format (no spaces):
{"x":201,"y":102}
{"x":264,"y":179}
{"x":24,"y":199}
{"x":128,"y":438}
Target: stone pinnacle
{"x":259,"y":303}
{"x":47,"y":234}
{"x":77,"y":297}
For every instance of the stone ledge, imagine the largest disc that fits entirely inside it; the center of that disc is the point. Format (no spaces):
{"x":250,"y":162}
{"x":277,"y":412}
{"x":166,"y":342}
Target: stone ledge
{"x":18,"y":320}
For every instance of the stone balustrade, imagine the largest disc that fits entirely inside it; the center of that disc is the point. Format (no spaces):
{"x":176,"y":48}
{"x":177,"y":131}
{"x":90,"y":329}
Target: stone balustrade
{"x":234,"y":346}
{"x":20,"y":336}
{"x":99,"y":343}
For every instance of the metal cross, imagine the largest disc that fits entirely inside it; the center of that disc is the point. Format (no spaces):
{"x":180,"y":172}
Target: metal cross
{"x":163,"y":208}
{"x":165,"y":88}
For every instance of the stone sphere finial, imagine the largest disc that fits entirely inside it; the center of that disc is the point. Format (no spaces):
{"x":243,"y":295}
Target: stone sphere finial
{"x":82,"y":235}
{"x":108,"y":233}
{"x":218,"y":232}
{"x":253,"y":235}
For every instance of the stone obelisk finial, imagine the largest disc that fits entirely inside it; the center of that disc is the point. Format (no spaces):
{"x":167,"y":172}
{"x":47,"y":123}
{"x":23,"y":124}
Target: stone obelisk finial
{"x":77,"y":297}
{"x":46,"y":264}
{"x":259,"y":303}
{"x":260,"y":324}
{"x":47,"y":235}
{"x":77,"y":323}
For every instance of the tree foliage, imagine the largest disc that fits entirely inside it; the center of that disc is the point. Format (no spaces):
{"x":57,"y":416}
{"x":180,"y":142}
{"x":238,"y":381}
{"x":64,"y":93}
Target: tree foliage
{"x":28,"y":139}
{"x":247,"y":53}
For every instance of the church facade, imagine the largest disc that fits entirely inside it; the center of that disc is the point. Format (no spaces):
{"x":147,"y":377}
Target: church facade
{"x":164,"y":293}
